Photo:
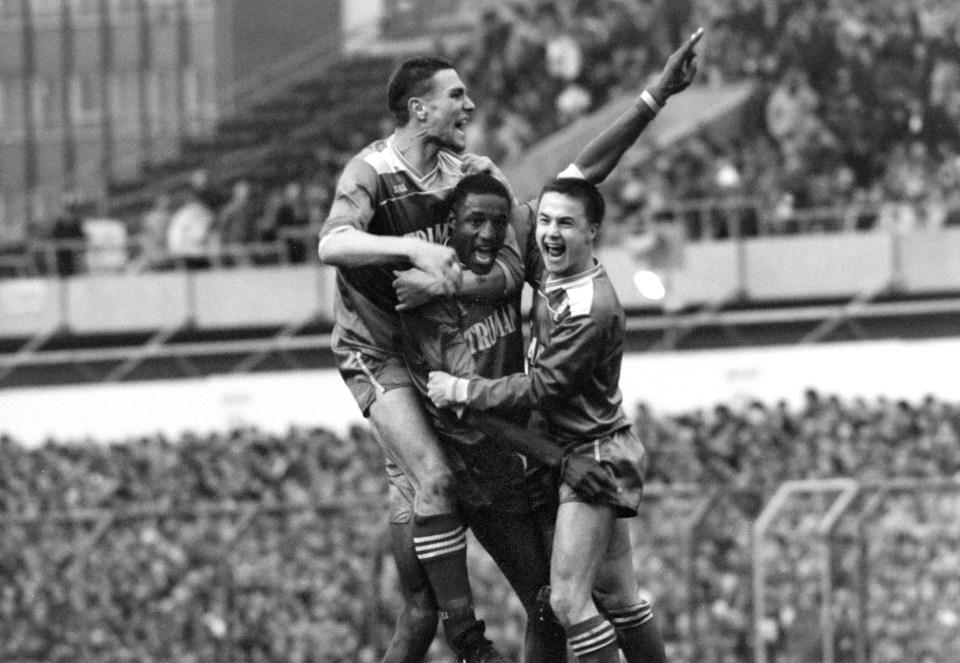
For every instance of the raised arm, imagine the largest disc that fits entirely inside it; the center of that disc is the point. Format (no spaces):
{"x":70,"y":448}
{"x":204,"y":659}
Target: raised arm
{"x":599,"y":157}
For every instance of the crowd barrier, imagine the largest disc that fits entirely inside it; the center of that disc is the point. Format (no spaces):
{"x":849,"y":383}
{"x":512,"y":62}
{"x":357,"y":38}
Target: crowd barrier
{"x":785,"y":269}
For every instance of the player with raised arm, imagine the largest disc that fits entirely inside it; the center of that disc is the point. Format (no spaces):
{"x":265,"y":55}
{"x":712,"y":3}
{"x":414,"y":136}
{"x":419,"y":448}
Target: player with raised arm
{"x":573,"y":380}
{"x":481,"y":331}
{"x":388,"y":213}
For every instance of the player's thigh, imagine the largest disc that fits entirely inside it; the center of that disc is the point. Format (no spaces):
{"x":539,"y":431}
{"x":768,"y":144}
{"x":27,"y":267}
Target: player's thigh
{"x":406,"y":435}
{"x":515,"y":543}
{"x":615,"y":585}
{"x":580,"y":543}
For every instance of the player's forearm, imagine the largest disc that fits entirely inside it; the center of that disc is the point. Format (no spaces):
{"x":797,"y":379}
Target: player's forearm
{"x":490,"y":286}
{"x":510,"y":392}
{"x":356,"y":248}
{"x":522,"y":440}
{"x":601,"y":155}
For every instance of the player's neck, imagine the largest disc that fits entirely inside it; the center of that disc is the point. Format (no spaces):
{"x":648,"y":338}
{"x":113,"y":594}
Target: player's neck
{"x":416,"y":149}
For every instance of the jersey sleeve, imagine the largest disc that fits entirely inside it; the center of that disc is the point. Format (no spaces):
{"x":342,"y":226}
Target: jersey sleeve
{"x":354,"y":199}
{"x":523,"y":222}
{"x":553,"y":374}
{"x":510,"y":261}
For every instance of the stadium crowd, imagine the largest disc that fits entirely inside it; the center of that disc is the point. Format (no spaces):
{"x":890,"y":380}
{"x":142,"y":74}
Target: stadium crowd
{"x":856,"y":126}
{"x":210,"y":547}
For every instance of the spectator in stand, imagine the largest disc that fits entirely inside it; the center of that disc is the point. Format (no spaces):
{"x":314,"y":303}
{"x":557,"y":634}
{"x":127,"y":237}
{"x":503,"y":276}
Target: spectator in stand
{"x":291,"y":221}
{"x":152,"y":235}
{"x":237,"y":224}
{"x":67,"y":235}
{"x":190,"y":239}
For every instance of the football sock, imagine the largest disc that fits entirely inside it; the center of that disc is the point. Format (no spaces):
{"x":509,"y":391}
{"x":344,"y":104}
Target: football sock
{"x":440,"y":543}
{"x":637,"y":634}
{"x":594,"y":641}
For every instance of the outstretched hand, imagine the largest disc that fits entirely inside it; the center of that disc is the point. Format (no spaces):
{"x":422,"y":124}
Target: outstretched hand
{"x":680,"y":70}
{"x":587,"y":477}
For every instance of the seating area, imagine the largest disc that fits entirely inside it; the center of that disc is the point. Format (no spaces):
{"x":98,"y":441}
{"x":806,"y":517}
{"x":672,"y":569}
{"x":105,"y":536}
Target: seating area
{"x":261,"y":547}
{"x":830,"y":145}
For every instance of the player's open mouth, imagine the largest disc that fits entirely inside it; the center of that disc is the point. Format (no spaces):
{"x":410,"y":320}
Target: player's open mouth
{"x":483,"y":255}
{"x":461,"y":125}
{"x":554,"y":250}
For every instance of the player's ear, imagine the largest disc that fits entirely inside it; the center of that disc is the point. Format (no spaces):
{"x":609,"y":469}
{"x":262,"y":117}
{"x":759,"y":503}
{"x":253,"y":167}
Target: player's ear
{"x":594,"y":229}
{"x":417,"y":108}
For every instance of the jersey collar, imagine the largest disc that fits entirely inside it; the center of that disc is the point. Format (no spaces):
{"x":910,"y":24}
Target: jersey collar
{"x":553,"y":283}
{"x":391,"y":143}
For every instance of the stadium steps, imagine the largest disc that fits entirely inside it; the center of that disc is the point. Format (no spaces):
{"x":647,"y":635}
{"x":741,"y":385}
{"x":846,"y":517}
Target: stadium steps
{"x":259,"y":142}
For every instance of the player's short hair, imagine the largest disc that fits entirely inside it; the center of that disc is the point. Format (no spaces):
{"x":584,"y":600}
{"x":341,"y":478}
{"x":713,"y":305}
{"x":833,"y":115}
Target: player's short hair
{"x":412,"y":79}
{"x":477,"y":183}
{"x":581,"y":190}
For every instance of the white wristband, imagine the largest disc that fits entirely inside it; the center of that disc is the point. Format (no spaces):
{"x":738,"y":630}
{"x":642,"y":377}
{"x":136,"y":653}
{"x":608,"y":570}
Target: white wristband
{"x":650,"y":102}
{"x":460,"y":390}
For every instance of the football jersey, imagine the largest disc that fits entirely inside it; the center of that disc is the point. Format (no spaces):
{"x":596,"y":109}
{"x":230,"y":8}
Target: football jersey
{"x":574,"y":360}
{"x":404,"y":204}
{"x":463,"y":337}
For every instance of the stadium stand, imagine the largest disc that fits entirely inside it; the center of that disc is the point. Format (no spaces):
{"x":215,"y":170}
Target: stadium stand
{"x":831,"y":145}
{"x":247,"y":547}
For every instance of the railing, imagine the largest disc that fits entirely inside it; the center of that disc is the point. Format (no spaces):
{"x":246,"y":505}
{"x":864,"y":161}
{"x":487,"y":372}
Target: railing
{"x":136,"y":255}
{"x":710,"y":219}
{"x":700,"y":221}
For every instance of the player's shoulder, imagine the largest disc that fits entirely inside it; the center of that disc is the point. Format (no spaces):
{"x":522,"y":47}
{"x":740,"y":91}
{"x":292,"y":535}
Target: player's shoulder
{"x":589,"y":294}
{"x":377,"y":155}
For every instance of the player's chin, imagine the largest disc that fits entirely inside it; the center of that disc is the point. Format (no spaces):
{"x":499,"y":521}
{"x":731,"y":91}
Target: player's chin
{"x":482,"y":260}
{"x":556,"y":265}
{"x":457,"y":141}
{"x":481,"y":267}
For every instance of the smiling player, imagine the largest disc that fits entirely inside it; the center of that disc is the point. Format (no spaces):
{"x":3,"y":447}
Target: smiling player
{"x":573,"y":380}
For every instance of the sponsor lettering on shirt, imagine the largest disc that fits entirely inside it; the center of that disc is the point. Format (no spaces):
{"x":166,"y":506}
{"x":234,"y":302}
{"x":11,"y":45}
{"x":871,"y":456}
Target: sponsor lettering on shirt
{"x":437,"y":234}
{"x":485,"y":334}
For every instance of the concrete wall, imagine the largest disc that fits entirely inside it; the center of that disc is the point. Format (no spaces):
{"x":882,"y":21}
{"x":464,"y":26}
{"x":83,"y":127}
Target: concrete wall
{"x":786,"y":269}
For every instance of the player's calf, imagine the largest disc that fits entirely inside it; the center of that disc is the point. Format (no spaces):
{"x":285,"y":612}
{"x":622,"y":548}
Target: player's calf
{"x":415,"y":629}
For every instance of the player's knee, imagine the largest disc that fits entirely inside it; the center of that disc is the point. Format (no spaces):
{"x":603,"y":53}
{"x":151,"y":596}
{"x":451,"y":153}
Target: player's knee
{"x":607,"y":600}
{"x":437,"y":491}
{"x":615,"y":593}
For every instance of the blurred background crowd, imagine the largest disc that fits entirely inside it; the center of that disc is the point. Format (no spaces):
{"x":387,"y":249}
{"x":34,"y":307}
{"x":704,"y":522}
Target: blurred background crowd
{"x":855,"y":126}
{"x":247,"y":546}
